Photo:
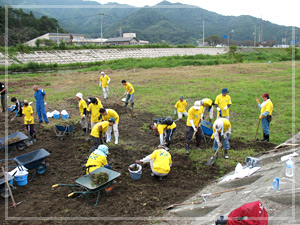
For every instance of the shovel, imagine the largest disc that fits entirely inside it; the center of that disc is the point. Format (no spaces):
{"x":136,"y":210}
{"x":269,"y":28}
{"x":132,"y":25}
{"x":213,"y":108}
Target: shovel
{"x":256,"y":130}
{"x":10,"y":192}
{"x":212,"y":159}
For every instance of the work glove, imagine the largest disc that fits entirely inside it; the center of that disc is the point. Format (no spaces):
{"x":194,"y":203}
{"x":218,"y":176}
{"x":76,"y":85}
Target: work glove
{"x":260,"y":116}
{"x":174,"y":112}
{"x":195,"y":129}
{"x":218,"y":109}
{"x":83,"y":116}
{"x":257,"y":101}
{"x":225,"y":108}
{"x":225,"y":136}
{"x":45,"y":103}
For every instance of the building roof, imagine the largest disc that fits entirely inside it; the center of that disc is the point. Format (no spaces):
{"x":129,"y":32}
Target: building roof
{"x":65,"y":34}
{"x":121,"y":39}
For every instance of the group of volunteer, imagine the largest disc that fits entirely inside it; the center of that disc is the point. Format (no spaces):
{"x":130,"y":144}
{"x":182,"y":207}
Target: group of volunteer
{"x":103,"y":121}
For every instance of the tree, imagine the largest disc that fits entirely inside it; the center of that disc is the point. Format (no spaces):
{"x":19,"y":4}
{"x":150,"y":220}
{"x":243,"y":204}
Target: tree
{"x":213,"y":40}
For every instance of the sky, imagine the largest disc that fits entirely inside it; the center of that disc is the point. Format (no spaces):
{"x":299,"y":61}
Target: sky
{"x":279,"y":12}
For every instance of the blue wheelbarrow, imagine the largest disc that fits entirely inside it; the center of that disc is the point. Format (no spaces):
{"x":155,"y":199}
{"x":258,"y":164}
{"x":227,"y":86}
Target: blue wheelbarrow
{"x":19,"y":144}
{"x":3,"y":187}
{"x":61,"y":131}
{"x":206,"y":128}
{"x":34,"y":160}
{"x":84,"y":185}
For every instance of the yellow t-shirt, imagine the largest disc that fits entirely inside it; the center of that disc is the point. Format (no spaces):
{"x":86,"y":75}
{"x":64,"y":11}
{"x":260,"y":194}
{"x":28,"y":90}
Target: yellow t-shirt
{"x":111,"y":113}
{"x":82,"y":105}
{"x":129,"y":86}
{"x":207,"y":102}
{"x":181,"y":106}
{"x":95,"y":131}
{"x":104,"y":80}
{"x":267,"y":107}
{"x":96,"y":160}
{"x":194,"y":115}
{"x":162,"y":161}
{"x":95,"y":111}
{"x":28,"y":112}
{"x":226,"y":125}
{"x":223,"y":101}
{"x":163,"y":127}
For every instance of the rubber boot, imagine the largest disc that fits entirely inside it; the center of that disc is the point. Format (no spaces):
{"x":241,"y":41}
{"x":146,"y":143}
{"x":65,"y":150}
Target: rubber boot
{"x":125,"y":105}
{"x":226,"y":154}
{"x":131,"y":107}
{"x":116,"y":140}
{"x":266,"y":138}
{"x":187,"y":149}
{"x":83,"y":131}
{"x":198,"y":146}
{"x":108,"y":138}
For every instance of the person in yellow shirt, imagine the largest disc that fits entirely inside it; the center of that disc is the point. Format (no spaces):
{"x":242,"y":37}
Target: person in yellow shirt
{"x":221,"y":127}
{"x":266,"y":109}
{"x":97,"y":159}
{"x":104,"y":82}
{"x":223,"y":102}
{"x":193,"y":127}
{"x":180,"y":107}
{"x":94,"y":108}
{"x":160,"y":162}
{"x":98,"y":132}
{"x":129,"y":92}
{"x":208,"y":108}
{"x":29,"y":120}
{"x":105,"y":115}
{"x":164,"y":130}
{"x":82,"y":109}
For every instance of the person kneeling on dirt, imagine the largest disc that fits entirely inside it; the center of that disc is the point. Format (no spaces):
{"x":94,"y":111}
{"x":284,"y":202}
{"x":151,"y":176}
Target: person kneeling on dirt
{"x":28,"y":119}
{"x":19,"y":107}
{"x":160,"y":161}
{"x":97,"y":159}
{"x":164,"y":130}
{"x":221,"y":127}
{"x":98,"y":132}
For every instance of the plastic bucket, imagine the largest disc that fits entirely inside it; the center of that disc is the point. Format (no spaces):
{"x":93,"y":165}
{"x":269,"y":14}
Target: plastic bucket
{"x":11,"y":182}
{"x":56,"y":115}
{"x":136,"y":175}
{"x":65,"y":116}
{"x":21,"y":178}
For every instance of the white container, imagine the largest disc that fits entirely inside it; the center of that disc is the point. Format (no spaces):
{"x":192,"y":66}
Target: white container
{"x":289,"y":168}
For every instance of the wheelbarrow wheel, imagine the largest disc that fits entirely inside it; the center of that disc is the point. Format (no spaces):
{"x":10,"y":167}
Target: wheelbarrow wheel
{"x":21,"y":146}
{"x":109,"y":188}
{"x":41,"y":168}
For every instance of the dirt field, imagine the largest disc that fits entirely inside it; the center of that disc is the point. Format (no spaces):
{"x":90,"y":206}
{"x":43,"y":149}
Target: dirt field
{"x":146,"y":197}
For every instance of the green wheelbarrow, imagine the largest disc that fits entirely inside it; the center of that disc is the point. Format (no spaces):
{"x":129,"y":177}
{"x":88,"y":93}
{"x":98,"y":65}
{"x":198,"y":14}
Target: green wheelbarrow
{"x":84,"y":185}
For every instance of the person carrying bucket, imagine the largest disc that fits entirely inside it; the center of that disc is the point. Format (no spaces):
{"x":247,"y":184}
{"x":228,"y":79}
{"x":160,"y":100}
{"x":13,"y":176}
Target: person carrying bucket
{"x":98,"y":132}
{"x":40,"y":96}
{"x":129,"y":92}
{"x":97,"y":159}
{"x":28,"y":119}
{"x":160,"y":162}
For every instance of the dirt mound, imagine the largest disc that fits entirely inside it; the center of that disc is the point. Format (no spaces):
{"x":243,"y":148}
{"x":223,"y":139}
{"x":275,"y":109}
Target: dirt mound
{"x":145,"y":197}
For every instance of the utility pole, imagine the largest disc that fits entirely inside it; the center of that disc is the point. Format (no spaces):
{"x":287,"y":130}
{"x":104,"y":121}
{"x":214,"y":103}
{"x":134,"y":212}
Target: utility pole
{"x":120,"y":31}
{"x":57,"y":35}
{"x":254,"y":35}
{"x":203,"y":34}
{"x":101,"y":15}
{"x":232,"y":35}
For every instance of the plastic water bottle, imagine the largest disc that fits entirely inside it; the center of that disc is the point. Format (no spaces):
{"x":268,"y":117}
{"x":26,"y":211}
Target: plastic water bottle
{"x":276,"y":184}
{"x":289,"y":168}
{"x":221,"y":220}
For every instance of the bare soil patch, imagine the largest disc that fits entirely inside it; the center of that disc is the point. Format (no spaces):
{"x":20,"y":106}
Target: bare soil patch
{"x":143,"y":198}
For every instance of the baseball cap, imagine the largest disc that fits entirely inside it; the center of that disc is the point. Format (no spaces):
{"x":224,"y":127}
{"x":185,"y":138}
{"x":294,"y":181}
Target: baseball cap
{"x":181,"y":96}
{"x":102,"y":72}
{"x":112,"y":120}
{"x":197,"y":105}
{"x":265,"y":95}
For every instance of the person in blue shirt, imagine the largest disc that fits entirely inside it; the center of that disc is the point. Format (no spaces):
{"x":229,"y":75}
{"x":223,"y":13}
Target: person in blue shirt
{"x":40,"y":96}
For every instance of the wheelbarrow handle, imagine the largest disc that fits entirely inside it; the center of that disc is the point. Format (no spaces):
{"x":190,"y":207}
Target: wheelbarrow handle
{"x":71,"y":194}
{"x":55,"y":185}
